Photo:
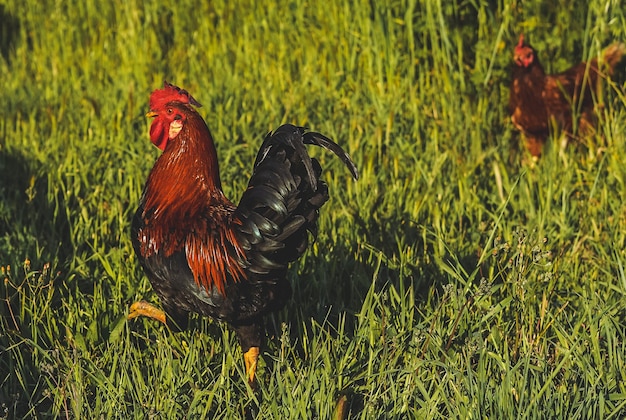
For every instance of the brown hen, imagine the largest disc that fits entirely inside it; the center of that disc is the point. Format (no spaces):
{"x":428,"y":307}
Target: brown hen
{"x":541,"y":102}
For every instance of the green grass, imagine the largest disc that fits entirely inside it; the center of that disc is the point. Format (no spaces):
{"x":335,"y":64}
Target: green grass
{"x":453,"y":280}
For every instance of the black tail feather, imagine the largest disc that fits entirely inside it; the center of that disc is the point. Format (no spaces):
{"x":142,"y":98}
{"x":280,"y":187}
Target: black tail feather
{"x":281,"y":205}
{"x":318,"y":139}
{"x":285,"y":134}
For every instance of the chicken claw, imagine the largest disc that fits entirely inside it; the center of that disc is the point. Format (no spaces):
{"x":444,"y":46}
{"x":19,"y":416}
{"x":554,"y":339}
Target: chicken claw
{"x":251,"y":357}
{"x":143,"y":308}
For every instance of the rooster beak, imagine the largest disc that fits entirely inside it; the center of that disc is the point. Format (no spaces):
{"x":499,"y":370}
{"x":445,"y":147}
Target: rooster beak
{"x":151,"y":114}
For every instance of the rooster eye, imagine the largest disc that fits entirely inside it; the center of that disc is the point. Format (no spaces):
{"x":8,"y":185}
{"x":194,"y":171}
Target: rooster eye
{"x":169,"y":110}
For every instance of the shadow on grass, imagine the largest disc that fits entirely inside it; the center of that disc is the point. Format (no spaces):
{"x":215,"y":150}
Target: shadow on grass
{"x":9,"y":32}
{"x":33,"y":221}
{"x":333,"y":291}
{"x":32,"y":226}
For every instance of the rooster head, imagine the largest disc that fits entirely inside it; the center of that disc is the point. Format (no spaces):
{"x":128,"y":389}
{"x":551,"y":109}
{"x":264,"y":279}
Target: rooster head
{"x":524,"y":54}
{"x":168,"y":106}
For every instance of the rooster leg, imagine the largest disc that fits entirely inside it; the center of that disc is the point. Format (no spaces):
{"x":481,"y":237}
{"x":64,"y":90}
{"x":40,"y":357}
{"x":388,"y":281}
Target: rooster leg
{"x":249,"y":335}
{"x":143,"y":308}
{"x":251,"y":357}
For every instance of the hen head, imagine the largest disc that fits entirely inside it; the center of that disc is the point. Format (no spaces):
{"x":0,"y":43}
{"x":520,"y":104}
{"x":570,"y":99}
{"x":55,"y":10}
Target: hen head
{"x":169,"y":106}
{"x":524,"y":54}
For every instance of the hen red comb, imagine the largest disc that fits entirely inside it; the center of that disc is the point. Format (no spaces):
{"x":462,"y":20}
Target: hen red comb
{"x":520,"y":43}
{"x":171,"y":93}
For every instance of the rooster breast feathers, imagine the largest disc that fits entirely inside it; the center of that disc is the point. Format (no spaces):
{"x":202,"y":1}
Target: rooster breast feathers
{"x":280,"y":205}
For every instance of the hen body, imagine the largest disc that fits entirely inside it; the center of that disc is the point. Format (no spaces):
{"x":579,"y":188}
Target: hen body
{"x":540,"y":102}
{"x":202,"y":253}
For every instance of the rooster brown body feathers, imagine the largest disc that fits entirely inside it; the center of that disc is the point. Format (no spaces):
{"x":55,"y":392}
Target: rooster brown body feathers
{"x":202,"y":253}
{"x":539,"y":102}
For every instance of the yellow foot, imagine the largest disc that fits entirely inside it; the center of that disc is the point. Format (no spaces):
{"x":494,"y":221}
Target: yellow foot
{"x":251,"y":357}
{"x":341,"y":409}
{"x":143,"y":308}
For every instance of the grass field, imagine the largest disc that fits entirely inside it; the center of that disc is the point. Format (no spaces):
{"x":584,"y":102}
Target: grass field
{"x":453,"y":280}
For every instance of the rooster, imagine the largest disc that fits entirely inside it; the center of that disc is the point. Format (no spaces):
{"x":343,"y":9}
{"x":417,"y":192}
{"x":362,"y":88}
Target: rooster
{"x":202,"y":253}
{"x":540,"y":101}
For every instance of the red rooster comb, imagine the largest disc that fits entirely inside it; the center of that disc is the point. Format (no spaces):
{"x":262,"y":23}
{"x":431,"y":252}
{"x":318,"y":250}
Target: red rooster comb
{"x":171,"y":93}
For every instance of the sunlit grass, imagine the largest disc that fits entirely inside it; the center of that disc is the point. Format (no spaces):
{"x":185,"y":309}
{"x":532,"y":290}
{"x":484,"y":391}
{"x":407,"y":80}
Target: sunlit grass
{"x":455,"y":279}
